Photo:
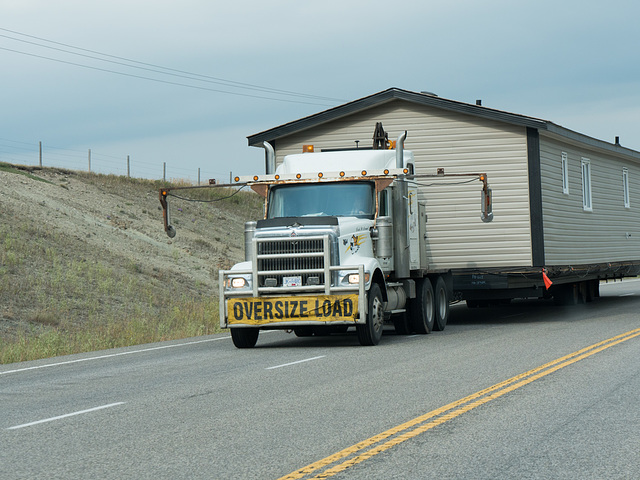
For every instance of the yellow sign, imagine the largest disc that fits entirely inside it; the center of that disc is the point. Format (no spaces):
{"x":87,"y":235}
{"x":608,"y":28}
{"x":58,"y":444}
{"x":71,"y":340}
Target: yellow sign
{"x":323,"y":308}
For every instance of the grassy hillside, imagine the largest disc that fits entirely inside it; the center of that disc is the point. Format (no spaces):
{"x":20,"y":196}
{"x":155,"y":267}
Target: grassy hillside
{"x":85,"y":263}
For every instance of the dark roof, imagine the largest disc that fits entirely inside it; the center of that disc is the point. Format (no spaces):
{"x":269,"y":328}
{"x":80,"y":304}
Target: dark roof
{"x":432,"y":101}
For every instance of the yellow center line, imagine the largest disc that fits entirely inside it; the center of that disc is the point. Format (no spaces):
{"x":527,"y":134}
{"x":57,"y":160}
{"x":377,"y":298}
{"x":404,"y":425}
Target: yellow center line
{"x":407,"y":431}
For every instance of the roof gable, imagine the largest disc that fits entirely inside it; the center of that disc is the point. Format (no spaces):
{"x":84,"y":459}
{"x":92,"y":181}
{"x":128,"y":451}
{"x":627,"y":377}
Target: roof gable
{"x":386,"y":96}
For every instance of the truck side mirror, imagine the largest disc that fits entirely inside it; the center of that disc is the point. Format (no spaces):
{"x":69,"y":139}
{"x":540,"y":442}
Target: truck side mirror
{"x":487,"y":205}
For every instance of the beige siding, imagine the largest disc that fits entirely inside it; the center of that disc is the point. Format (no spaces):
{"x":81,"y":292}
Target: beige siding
{"x":457,"y":238}
{"x":574,"y":236}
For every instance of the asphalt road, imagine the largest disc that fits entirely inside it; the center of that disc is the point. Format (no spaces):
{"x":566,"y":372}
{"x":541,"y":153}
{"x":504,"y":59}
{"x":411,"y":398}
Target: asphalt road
{"x":412,"y":407}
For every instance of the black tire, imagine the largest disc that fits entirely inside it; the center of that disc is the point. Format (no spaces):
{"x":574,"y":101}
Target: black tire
{"x":594,"y":289}
{"x":422,"y":308}
{"x":567,"y":295}
{"x":371,"y":332}
{"x":303,"y":331}
{"x":402,"y":324}
{"x":244,"y":337}
{"x":442,"y":305}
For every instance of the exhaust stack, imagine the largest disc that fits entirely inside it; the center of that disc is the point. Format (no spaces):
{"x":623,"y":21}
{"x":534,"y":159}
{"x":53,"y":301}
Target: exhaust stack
{"x":270,"y":158}
{"x":400,"y":150}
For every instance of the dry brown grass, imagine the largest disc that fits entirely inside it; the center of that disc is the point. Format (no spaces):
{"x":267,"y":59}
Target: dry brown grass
{"x":89,"y":267}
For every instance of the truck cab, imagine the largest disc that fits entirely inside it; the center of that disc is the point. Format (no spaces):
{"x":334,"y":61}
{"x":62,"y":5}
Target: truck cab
{"x":321,"y":258}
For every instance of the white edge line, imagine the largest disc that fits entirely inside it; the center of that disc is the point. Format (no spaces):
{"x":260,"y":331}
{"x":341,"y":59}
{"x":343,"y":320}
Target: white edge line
{"x":294,"y":363}
{"x":59,"y":417}
{"x":111,"y":355}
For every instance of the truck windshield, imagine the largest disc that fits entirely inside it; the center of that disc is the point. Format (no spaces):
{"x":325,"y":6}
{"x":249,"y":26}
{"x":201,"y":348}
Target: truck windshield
{"x":340,"y":199}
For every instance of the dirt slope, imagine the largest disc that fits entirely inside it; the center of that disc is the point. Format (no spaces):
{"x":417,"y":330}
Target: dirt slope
{"x":72,"y":233}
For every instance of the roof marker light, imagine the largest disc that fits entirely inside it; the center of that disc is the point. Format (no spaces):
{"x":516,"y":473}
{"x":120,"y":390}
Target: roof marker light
{"x":255,"y":178}
{"x":298,"y":176}
{"x":342,"y":174}
{"x":364,"y":173}
{"x":386,"y":171}
{"x":277,"y":177}
{"x":307,"y":149}
{"x":319,"y":174}
{"x":237,"y":179}
{"x":405,"y":171}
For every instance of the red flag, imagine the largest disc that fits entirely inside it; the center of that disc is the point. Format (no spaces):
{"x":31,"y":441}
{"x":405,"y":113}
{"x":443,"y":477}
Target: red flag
{"x":547,"y":281}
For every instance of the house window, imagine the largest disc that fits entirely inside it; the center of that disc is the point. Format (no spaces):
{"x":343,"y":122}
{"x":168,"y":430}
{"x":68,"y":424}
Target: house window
{"x":565,"y":174}
{"x":625,"y":187}
{"x":586,"y":185}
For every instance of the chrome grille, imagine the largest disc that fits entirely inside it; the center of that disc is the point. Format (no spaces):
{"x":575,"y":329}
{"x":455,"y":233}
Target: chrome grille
{"x":295,"y":256}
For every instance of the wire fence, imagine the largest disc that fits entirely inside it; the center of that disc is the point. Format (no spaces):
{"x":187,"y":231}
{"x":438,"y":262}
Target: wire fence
{"x":39,"y":154}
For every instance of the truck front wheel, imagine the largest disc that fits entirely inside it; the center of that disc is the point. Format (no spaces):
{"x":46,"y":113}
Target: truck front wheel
{"x":244,"y":337}
{"x":371,"y":332}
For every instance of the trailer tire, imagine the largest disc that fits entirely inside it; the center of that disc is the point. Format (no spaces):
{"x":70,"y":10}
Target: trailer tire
{"x":566,"y":295}
{"x":371,"y":332}
{"x":245,"y":337}
{"x":442,"y":305}
{"x":422,"y":308}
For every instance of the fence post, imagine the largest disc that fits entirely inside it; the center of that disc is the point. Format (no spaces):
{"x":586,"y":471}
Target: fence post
{"x":89,"y":160}
{"x":128,"y":169}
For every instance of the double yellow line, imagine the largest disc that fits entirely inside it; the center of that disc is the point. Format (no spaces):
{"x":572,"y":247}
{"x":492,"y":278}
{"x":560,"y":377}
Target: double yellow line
{"x":340,"y":461}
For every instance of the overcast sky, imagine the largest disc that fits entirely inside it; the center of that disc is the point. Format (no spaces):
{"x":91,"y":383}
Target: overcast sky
{"x":186,"y":82}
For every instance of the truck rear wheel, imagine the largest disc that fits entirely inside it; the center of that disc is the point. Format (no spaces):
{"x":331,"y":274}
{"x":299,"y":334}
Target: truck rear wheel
{"x":422,"y":308}
{"x":442,"y":305}
{"x":371,"y":332}
{"x":244,"y":337}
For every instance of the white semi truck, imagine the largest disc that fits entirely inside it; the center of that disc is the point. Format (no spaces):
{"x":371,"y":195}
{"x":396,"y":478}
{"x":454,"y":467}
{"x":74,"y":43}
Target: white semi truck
{"x":341,"y":245}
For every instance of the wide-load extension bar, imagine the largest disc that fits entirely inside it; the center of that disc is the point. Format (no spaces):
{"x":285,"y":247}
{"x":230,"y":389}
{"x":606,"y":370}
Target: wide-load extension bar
{"x":383,"y":178}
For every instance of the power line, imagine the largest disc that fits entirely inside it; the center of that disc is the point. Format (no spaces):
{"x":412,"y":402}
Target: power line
{"x":158,"y":69}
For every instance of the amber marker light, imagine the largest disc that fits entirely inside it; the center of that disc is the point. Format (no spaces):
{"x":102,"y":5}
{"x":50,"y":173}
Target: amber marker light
{"x":320,"y":175}
{"x":277,"y":177}
{"x":364,"y":173}
{"x":237,"y":179}
{"x":405,"y":171}
{"x":307,"y":149}
{"x":386,"y":171}
{"x":298,"y":176}
{"x":255,"y":178}
{"x":342,"y":174}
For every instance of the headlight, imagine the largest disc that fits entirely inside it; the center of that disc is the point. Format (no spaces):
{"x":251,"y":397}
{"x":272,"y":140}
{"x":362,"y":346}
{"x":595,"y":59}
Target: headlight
{"x":237,"y":283}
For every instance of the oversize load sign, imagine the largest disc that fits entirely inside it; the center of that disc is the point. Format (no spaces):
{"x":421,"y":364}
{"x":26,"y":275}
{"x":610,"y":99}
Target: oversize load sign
{"x":323,"y":308}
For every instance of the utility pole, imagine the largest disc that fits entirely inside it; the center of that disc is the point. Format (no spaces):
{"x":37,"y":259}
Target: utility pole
{"x":128,"y":168}
{"x":164,"y":171}
{"x":40,"y":154}
{"x":89,"y":160}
